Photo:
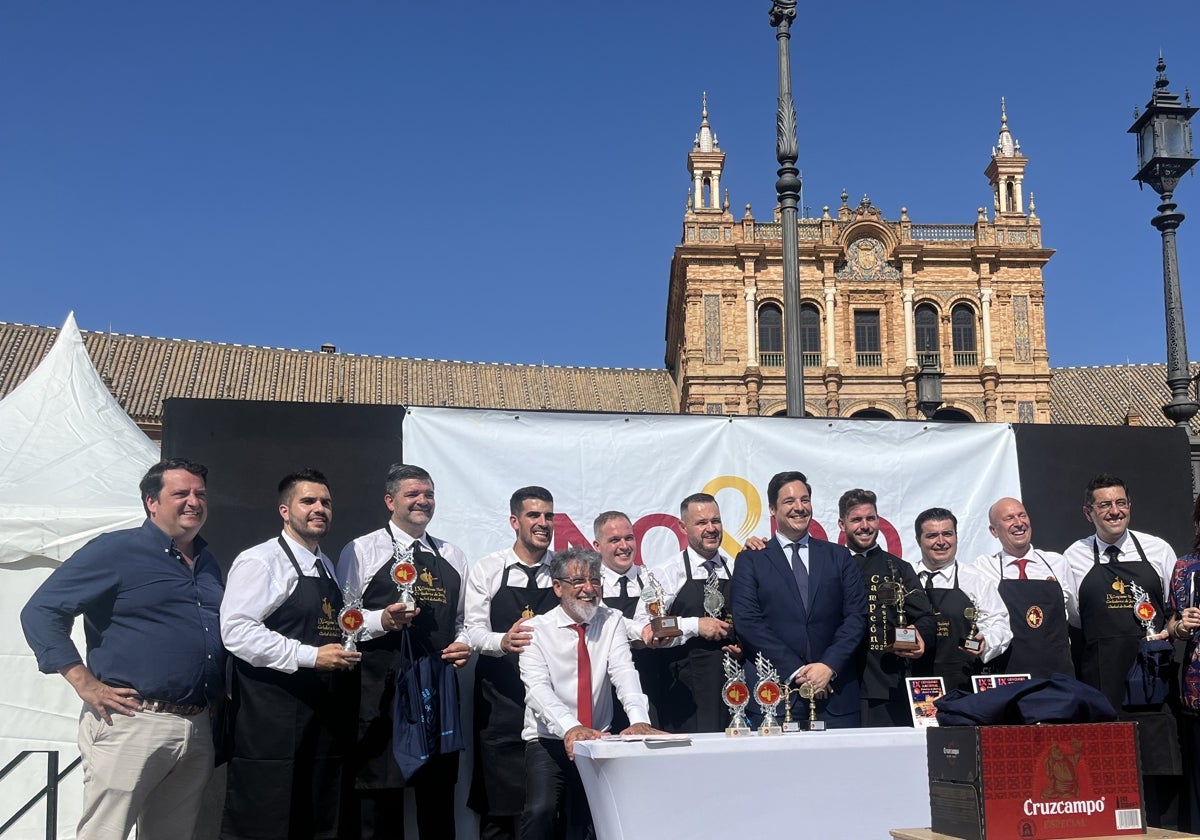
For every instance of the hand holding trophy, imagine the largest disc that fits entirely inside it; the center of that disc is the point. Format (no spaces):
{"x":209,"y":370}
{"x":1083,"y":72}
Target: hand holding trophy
{"x":901,"y":636}
{"x":350,"y":620}
{"x":969,"y":643}
{"x":404,"y":575}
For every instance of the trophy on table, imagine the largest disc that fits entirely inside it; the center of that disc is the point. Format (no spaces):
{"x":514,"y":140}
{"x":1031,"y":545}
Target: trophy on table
{"x":350,"y":620}
{"x":768,"y":693}
{"x":789,"y":725}
{"x":404,"y":573}
{"x":1144,"y":610}
{"x":809,"y":694}
{"x":969,"y":642}
{"x":903,"y":636}
{"x":662,"y":626}
{"x":736,"y":695}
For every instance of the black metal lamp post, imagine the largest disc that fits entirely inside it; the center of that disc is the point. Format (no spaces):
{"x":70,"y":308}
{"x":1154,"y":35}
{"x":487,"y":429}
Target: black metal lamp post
{"x":1164,"y":138}
{"x":929,"y":389}
{"x":783,"y":12}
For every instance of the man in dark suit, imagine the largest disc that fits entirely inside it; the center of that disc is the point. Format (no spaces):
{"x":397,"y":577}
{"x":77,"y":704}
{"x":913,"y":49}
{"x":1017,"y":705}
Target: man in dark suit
{"x":800,"y":601}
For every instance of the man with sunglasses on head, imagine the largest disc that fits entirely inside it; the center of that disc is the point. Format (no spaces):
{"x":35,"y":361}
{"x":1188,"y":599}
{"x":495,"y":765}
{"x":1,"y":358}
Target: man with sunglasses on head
{"x":1121,"y":576}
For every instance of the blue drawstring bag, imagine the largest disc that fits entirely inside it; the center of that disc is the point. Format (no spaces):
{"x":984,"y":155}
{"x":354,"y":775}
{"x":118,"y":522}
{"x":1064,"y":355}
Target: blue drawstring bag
{"x":425,"y":714}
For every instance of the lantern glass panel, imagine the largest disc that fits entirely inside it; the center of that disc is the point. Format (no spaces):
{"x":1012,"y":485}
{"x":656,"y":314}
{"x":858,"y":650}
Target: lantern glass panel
{"x":1174,"y":138}
{"x":1146,"y":144}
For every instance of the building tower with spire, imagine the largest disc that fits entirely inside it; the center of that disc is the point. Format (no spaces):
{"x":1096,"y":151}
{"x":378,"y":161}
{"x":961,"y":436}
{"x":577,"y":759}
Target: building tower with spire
{"x":880,"y":299}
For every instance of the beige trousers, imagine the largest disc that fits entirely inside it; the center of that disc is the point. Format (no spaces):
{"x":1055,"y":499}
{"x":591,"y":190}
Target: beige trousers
{"x":149,"y":769}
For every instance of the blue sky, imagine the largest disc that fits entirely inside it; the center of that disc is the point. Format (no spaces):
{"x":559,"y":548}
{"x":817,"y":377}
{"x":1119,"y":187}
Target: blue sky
{"x":506,"y":181}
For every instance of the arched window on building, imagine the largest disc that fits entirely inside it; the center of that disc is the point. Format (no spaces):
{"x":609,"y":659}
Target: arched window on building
{"x":871,"y":414}
{"x":770,"y":336}
{"x":810,"y":335}
{"x":952,"y":415}
{"x":925,"y":320}
{"x":962,"y":326}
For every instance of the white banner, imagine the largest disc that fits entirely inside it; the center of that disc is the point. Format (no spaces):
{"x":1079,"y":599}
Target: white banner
{"x":645,"y":465}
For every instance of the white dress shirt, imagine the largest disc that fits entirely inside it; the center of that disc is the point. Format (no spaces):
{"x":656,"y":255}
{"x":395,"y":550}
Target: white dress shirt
{"x":992,"y":619}
{"x":261,"y":579}
{"x":1081,"y":557}
{"x":486,"y":576}
{"x":671,"y":575}
{"x":362,"y":559}
{"x":612,"y":589}
{"x":1042,"y":565}
{"x":550,"y":671}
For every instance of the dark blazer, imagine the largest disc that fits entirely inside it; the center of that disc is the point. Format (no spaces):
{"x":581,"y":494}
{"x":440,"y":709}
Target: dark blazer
{"x":771,"y":617}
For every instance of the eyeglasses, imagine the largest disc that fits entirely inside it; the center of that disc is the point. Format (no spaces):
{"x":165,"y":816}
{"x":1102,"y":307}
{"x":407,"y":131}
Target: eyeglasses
{"x":1102,"y":507}
{"x":578,"y":582}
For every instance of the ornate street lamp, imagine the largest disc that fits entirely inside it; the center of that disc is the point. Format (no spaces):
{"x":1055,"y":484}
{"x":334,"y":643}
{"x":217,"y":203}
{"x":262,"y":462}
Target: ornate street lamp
{"x":783,"y":12}
{"x":1164,"y":138}
{"x":929,"y":389}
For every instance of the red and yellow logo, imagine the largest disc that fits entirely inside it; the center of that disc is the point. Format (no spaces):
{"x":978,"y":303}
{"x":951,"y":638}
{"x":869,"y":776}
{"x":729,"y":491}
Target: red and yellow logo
{"x":350,"y":620}
{"x":736,"y":693}
{"x":769,"y":694}
{"x":1145,"y":611}
{"x":1034,"y":617}
{"x":404,"y":573}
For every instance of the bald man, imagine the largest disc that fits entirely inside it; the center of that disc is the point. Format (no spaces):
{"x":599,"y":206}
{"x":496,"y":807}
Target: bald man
{"x":1038,"y":591}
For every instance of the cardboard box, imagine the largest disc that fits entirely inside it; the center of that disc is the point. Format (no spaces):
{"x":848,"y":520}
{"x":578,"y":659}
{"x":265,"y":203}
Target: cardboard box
{"x":1043,"y":782}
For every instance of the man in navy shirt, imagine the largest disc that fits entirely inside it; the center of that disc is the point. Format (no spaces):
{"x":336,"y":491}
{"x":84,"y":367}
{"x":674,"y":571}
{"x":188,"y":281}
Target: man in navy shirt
{"x":149,"y":598}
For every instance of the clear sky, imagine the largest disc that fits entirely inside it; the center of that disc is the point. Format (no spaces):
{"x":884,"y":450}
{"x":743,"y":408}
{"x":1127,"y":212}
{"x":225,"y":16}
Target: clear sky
{"x":506,"y":181}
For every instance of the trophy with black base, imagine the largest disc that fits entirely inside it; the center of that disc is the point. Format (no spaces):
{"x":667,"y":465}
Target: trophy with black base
{"x":809,"y":693}
{"x":902,"y":636}
{"x":969,"y":643}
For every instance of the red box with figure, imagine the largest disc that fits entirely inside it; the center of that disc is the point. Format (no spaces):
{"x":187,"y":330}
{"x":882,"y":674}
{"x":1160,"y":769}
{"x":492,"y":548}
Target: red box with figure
{"x":1044,"y":782}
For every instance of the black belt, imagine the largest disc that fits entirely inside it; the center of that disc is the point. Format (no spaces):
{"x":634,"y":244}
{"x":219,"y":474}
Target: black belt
{"x":171,"y":708}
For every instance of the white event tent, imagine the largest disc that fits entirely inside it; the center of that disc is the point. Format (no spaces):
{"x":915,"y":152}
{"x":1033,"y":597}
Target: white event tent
{"x":70,"y":463}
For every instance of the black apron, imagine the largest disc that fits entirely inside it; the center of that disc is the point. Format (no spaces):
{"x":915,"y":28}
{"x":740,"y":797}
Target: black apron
{"x":291,"y":731}
{"x":1041,"y":645}
{"x":1111,"y":633}
{"x":498,"y":783}
{"x":436,"y":589}
{"x":947,"y":660}
{"x":643,"y":659}
{"x":694,"y":673}
{"x":881,"y":673}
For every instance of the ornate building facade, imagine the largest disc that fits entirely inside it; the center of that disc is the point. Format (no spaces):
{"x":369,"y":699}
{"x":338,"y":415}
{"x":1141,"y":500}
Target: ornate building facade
{"x":880,"y":299}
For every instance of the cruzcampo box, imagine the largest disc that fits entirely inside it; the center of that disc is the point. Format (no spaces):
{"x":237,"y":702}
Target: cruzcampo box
{"x":1042,"y":782}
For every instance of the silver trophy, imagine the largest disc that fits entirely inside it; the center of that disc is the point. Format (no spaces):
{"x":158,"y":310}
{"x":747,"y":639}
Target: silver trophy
{"x":714,"y":601}
{"x":768,"y":693}
{"x":1144,"y":610}
{"x":736,"y":695}
{"x":350,"y":620}
{"x":404,"y":575}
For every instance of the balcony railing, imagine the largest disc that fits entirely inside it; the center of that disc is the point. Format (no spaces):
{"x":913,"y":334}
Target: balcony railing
{"x":966,"y":358}
{"x":770,"y":360}
{"x":869,"y":359}
{"x":943,"y":233}
{"x":811,"y":359}
{"x":928,"y":359}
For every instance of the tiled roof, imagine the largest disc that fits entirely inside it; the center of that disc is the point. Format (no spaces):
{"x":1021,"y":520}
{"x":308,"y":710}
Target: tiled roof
{"x":142,"y":372}
{"x":1103,"y":396}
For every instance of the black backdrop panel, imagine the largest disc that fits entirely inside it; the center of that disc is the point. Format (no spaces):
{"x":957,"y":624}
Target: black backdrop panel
{"x":248,"y":446}
{"x":1057,"y":462}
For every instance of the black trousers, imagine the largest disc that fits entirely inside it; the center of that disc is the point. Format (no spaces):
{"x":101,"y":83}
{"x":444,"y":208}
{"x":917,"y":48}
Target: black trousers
{"x":555,"y":803}
{"x":381,"y":812}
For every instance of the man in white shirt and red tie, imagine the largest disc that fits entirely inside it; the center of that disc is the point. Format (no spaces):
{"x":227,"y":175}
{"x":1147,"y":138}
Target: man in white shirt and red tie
{"x":1038,"y":591}
{"x":579,"y":652}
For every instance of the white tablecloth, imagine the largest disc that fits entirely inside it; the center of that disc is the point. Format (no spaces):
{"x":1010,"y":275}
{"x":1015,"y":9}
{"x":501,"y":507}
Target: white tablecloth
{"x":854,"y":784}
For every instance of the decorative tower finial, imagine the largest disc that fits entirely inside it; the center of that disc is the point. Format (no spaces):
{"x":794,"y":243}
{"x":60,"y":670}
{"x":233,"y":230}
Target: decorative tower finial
{"x":1161,"y":82}
{"x":1005,"y":145}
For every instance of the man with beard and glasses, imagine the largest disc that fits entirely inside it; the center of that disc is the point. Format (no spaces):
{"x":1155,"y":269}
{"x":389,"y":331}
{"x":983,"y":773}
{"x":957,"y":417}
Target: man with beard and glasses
{"x":293,"y":700}
{"x":690,"y":667}
{"x":504,"y":590}
{"x":435,"y":634}
{"x":623,"y":583}
{"x":1121,"y":577}
{"x":578,"y":655}
{"x":1038,"y":591}
{"x":881,"y":671}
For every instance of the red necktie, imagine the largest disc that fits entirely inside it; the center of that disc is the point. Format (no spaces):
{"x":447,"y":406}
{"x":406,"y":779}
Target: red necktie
{"x":1020,"y":564}
{"x":583,"y":693}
